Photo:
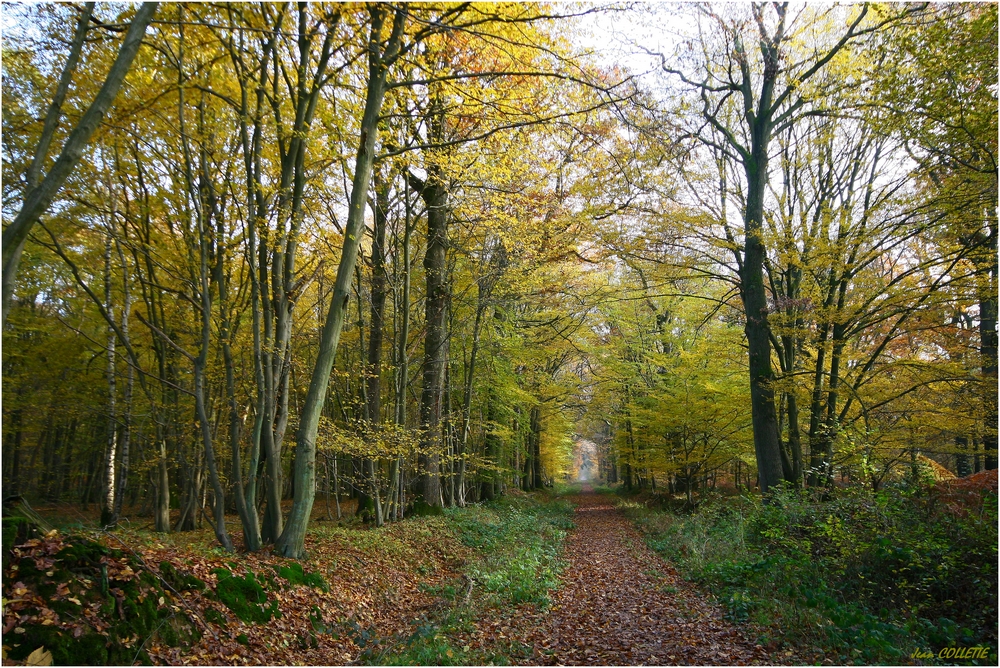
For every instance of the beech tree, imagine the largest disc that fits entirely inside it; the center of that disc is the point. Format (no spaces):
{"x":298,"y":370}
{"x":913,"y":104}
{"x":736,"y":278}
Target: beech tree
{"x":747,"y":95}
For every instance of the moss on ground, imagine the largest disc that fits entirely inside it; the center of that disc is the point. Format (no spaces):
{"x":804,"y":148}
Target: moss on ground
{"x":245,"y":596}
{"x":295,"y":575}
{"x":53,"y":581}
{"x":178,"y":580}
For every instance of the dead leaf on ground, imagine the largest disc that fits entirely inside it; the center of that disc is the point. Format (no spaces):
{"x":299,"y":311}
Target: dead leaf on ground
{"x":40,"y":657}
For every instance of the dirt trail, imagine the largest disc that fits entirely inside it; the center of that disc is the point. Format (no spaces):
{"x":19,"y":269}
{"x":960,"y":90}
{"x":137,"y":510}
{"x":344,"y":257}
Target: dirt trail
{"x":620,"y":604}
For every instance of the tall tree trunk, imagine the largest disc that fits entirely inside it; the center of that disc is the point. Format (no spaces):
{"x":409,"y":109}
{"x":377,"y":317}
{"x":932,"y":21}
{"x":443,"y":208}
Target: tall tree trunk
{"x":110,"y":486}
{"x":246,"y":511}
{"x":963,"y":466}
{"x":368,"y":493}
{"x":536,"y":444}
{"x":161,"y":520}
{"x":482,"y":303}
{"x":378,"y":297}
{"x":292,"y":540}
{"x":828,"y":433}
{"x":402,"y":353}
{"x":493,"y":447}
{"x":129,"y":386}
{"x":767,"y":444}
{"x":988,"y":346}
{"x":435,"y":194}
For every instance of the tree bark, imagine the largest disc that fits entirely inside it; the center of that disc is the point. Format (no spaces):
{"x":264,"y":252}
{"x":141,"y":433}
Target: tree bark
{"x":126,"y":441}
{"x":988,"y":346}
{"x":435,"y":194}
{"x":110,"y":486}
{"x":767,"y":444}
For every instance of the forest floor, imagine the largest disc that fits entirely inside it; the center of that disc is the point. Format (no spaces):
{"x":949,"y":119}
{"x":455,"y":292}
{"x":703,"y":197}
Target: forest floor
{"x":530,"y":579}
{"x":619,"y":603}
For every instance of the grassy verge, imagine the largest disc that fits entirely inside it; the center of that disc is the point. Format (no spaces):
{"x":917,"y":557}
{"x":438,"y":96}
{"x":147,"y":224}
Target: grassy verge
{"x":516,"y":542}
{"x":863,"y":578}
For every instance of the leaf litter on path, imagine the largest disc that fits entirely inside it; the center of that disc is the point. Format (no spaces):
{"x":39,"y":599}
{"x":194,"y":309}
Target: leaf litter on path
{"x":621,"y":604}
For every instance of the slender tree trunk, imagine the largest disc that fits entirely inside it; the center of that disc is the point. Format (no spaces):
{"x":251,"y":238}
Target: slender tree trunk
{"x":336,"y":488}
{"x":161,"y":521}
{"x":129,"y":386}
{"x":493,"y":447}
{"x":830,"y":424}
{"x":816,"y":408}
{"x":402,"y":353}
{"x":794,"y":439}
{"x":988,"y":349}
{"x":292,"y":540}
{"x":470,"y":368}
{"x":536,"y":445}
{"x":378,"y":297}
{"x":246,"y":511}
{"x":963,"y":466}
{"x":110,"y":485}
{"x":449,"y":430}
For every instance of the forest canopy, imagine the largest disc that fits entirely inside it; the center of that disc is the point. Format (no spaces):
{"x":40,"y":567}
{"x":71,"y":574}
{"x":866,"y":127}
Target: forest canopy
{"x":412,"y":254}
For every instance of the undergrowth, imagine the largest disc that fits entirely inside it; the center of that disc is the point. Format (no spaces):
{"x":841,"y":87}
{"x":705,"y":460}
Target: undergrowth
{"x":861,"y":578}
{"x":517,"y":542}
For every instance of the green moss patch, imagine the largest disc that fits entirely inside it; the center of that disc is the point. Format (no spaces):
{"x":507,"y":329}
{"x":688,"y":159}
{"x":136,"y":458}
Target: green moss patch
{"x":296,"y":576}
{"x":178,"y":580}
{"x":245,"y":597}
{"x":16,"y":530}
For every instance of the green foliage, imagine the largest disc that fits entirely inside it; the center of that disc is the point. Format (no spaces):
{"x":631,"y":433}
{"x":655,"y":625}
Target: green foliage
{"x":245,"y":597}
{"x":521,"y":541}
{"x":565,"y":489}
{"x":518,"y":543}
{"x":867,"y":578}
{"x":428,"y":645}
{"x":296,"y":576}
{"x":431,"y":643}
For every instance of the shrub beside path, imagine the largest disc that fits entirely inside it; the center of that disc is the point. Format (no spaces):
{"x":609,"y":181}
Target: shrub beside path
{"x":621,"y":604}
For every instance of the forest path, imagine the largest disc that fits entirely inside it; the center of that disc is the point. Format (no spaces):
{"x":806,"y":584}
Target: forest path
{"x":621,"y":604}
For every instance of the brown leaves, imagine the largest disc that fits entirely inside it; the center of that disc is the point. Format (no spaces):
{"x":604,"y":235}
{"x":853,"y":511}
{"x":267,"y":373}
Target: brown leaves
{"x":620,"y":604}
{"x":374,"y":578}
